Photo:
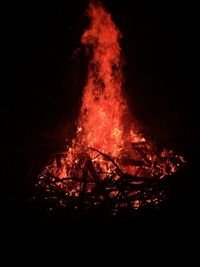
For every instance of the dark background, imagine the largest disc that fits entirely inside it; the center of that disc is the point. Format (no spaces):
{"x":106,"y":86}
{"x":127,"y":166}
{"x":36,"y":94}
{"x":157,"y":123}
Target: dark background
{"x":42,"y":82}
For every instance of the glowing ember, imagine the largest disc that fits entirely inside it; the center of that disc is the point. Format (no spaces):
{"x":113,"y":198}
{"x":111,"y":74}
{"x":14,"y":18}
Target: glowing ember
{"x":107,"y":145}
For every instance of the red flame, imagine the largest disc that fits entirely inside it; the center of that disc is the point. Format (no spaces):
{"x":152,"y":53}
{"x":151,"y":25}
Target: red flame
{"x":104,"y":130}
{"x":101,"y":116}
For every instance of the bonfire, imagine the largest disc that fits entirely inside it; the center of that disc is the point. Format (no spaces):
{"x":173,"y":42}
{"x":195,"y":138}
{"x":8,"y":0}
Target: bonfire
{"x":109,"y":163}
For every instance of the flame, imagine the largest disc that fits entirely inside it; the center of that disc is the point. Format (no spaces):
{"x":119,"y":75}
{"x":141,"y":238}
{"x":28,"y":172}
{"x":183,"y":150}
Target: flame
{"x":106,"y":141}
{"x":103,"y":108}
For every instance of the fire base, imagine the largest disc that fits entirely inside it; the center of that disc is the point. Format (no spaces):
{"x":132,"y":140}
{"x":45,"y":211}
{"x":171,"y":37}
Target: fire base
{"x":115,"y":194}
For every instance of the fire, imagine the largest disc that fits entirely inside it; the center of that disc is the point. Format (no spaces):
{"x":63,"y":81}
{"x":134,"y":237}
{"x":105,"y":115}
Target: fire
{"x":104,"y":106}
{"x":107,"y":144}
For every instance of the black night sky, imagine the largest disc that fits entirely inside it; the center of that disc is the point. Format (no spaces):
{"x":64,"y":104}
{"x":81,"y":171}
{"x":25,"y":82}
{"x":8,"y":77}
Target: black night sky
{"x":42,"y":83}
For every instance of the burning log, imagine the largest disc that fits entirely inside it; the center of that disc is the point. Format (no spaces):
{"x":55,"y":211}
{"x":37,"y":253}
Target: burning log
{"x":116,"y":192}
